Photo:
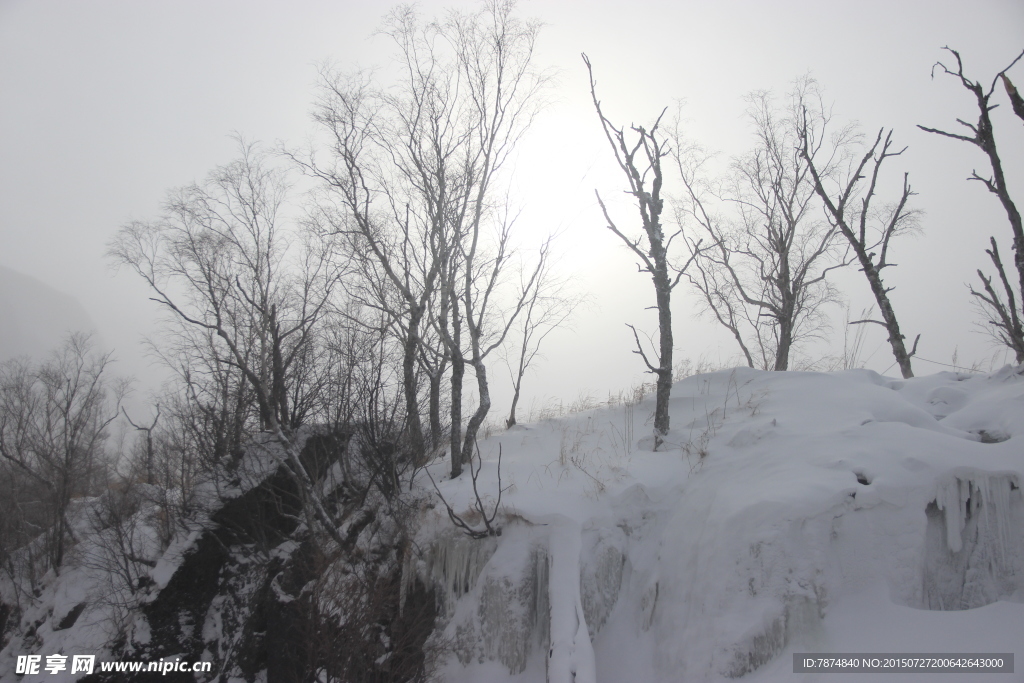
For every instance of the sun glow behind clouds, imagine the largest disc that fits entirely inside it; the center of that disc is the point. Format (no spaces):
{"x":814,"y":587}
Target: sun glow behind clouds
{"x":108,"y":105}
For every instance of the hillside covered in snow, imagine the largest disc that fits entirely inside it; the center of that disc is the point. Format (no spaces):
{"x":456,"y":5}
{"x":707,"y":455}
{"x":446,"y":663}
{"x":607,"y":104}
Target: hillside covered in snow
{"x":789,"y":512}
{"x":794,"y":512}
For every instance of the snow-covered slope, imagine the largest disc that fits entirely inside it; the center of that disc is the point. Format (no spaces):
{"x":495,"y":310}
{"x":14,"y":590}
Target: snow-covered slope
{"x":792,"y":512}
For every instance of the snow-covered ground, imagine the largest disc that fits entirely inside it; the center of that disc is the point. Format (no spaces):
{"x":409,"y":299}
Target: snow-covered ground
{"x":791,"y":512}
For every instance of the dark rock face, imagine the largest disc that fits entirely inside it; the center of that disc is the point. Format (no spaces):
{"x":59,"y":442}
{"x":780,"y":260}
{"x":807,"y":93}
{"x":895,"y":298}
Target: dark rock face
{"x":71,"y":617}
{"x":225,"y":581}
{"x":255,"y":594}
{"x":6,"y":611}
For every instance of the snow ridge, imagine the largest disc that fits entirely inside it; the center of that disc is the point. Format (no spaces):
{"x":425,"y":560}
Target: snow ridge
{"x":791,"y":512}
{"x":571,"y":656}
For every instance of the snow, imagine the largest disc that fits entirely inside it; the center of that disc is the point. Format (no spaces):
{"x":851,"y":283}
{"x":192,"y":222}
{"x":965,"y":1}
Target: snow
{"x":790,"y":512}
{"x":571,"y":657}
{"x":171,"y":559}
{"x":456,"y":563}
{"x":503,"y":617}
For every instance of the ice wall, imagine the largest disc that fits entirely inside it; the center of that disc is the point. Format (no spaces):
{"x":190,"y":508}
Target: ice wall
{"x":494,"y":594}
{"x":602,"y":561}
{"x":974,"y":545}
{"x":455,"y":564}
{"x":817,"y":489}
{"x":540,"y":589}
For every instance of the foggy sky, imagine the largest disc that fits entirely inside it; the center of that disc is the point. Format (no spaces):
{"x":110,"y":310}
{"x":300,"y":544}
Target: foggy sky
{"x":105,"y":106}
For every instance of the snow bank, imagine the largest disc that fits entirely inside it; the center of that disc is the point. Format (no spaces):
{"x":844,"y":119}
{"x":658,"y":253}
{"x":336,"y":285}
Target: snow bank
{"x":788,"y":512}
{"x":784,"y":504}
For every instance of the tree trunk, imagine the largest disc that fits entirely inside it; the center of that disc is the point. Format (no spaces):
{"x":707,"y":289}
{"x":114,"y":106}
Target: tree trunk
{"x":987,"y":142}
{"x":480,"y":370}
{"x":784,"y":285}
{"x":663,"y":291}
{"x":435,"y":408}
{"x":899,"y":349}
{"x":785,"y":341}
{"x":458,"y":371}
{"x":511,"y":421}
{"x":412,"y":340}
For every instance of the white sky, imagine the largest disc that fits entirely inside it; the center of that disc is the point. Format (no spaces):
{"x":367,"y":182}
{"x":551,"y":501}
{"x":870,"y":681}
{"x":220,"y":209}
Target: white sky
{"x":104,"y":106}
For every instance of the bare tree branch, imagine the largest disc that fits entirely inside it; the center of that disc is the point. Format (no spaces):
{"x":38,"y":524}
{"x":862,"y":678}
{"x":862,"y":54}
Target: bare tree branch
{"x":640,"y":161}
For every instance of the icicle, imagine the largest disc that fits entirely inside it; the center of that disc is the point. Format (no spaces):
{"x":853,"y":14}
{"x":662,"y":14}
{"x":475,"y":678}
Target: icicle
{"x":963,"y":500}
{"x":994,"y":492}
{"x":542,"y":599}
{"x":456,"y":565}
{"x":407,"y":579}
{"x":1000,"y":510}
{"x":989,"y":498}
{"x":952,"y":499}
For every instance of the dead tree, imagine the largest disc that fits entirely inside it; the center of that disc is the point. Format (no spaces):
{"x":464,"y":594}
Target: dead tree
{"x":1003,"y":308}
{"x":548,"y":309}
{"x":222,"y":262}
{"x":494,"y":52}
{"x":1003,"y":315}
{"x":764,"y":277}
{"x":411,"y":183}
{"x":149,"y":439}
{"x":53,"y":422}
{"x":867,"y":229}
{"x":641,"y":162}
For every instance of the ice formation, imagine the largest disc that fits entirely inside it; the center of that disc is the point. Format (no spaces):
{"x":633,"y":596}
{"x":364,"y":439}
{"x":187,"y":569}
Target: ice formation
{"x":540,"y":588}
{"x":602,"y":564}
{"x":814,"y":490}
{"x":455,"y":564}
{"x":975,"y":545}
{"x":817,"y":512}
{"x":494,"y":594}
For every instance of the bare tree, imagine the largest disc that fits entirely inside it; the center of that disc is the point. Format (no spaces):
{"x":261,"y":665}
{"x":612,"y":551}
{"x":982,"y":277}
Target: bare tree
{"x":867,"y":227}
{"x":149,"y":440}
{"x":494,"y":51}
{"x":484,"y":331}
{"x":1000,"y":303}
{"x":410,"y":183}
{"x":764,"y":277}
{"x":212,"y":406}
{"x":396,"y":242}
{"x":219,"y":262}
{"x":641,"y":163}
{"x":53,"y":423}
{"x":121,"y":549}
{"x":549,"y":307}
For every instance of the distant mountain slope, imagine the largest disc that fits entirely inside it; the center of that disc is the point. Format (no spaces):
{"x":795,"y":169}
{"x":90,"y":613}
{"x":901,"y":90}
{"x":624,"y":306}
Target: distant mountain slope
{"x":35,"y":317}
